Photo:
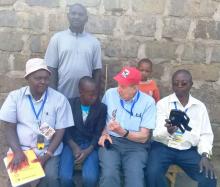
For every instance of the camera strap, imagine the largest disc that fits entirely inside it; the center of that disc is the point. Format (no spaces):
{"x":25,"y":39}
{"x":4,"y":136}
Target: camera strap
{"x":177,"y":108}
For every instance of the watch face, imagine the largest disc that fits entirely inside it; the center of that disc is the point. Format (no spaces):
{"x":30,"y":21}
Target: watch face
{"x":206,"y":155}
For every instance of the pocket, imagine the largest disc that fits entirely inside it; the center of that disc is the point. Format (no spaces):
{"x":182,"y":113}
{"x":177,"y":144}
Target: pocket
{"x":133,"y":123}
{"x":49,"y":118}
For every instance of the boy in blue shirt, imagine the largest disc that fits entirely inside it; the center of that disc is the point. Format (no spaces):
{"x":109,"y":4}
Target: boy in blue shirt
{"x":81,"y":141}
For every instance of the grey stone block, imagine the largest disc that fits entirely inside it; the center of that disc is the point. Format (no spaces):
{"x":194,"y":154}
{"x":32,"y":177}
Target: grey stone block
{"x":35,"y":22}
{"x":216,"y":54}
{"x":87,"y":3}
{"x":11,"y":41}
{"x":4,"y":62}
{"x":8,"y":18}
{"x":149,"y":6}
{"x":19,"y":62}
{"x":177,"y":8}
{"x":139,"y":25}
{"x":122,"y":48}
{"x":195,"y":52}
{"x":162,"y":50}
{"x":200,"y":8}
{"x":116,"y":5}
{"x":39,"y":43}
{"x":203,"y":72}
{"x":45,"y":3}
{"x":7,"y":2}
{"x":58,"y":22}
{"x":176,"y":28}
{"x":208,"y":30}
{"x":15,"y":83}
{"x":214,"y":112}
{"x":101,"y":24}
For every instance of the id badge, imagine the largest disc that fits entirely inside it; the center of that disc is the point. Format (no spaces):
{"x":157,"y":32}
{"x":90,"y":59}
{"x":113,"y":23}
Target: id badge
{"x":46,"y":131}
{"x":40,"y":142}
{"x":177,"y":138}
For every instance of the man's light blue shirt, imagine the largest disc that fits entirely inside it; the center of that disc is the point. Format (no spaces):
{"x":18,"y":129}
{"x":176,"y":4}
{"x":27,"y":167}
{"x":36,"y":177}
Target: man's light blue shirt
{"x":74,"y":56}
{"x":17,"y":110}
{"x":144,"y":111}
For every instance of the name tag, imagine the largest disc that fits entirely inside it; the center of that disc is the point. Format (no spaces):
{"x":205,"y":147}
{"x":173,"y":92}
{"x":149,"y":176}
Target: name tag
{"x":177,"y":138}
{"x":46,"y":131}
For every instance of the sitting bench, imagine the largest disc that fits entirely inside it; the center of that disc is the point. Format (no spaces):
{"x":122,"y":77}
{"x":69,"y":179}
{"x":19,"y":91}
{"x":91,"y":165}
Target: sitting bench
{"x":171,"y":174}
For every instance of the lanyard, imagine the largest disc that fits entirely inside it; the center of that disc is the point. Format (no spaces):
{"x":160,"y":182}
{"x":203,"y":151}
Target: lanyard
{"x":132,"y":106}
{"x":41,"y":108}
{"x":177,"y":108}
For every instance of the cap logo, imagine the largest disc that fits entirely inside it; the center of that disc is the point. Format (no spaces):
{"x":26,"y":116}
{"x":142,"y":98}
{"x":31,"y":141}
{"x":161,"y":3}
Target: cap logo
{"x":125,"y":73}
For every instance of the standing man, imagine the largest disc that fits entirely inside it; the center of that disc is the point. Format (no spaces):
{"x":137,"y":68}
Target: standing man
{"x":27,"y":112}
{"x":130,"y":116}
{"x":190,"y":150}
{"x":73,"y":53}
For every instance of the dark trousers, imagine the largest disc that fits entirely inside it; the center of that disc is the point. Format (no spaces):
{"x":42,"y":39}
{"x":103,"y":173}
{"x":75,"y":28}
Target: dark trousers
{"x":161,"y":157}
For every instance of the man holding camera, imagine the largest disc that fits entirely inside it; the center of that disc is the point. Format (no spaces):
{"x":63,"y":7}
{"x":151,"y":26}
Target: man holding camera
{"x":191,"y":149}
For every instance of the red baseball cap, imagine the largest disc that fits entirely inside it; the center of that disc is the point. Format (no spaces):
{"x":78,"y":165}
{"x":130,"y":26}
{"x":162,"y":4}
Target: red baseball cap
{"x":128,"y":76}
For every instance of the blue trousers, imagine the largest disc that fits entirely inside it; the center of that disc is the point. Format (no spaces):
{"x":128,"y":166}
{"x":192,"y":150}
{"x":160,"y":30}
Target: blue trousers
{"x":161,"y":157}
{"x":90,"y":168}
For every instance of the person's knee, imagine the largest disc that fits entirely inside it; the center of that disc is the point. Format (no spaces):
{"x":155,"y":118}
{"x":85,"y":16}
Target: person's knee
{"x":91,"y":178}
{"x":204,"y":181}
{"x":153,"y":170}
{"x":52,"y":177}
{"x":109,"y":173}
{"x":134,"y":177}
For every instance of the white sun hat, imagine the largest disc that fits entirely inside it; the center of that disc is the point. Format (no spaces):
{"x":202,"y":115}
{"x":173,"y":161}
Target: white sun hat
{"x":35,"y":64}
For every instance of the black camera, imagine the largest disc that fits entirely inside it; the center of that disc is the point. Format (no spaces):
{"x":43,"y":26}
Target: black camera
{"x":180,"y":119}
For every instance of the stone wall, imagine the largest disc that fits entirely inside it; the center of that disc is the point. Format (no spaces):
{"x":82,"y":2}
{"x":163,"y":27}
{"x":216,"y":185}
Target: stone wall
{"x":172,"y":33}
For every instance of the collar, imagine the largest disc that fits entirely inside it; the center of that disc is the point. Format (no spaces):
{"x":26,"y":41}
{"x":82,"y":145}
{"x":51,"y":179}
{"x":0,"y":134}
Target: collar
{"x":131,"y":100}
{"x":28,"y":92}
{"x":77,"y":34}
{"x":192,"y":101}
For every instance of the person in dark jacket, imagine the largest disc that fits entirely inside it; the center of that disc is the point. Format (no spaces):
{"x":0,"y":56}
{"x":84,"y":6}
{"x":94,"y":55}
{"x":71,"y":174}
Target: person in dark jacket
{"x":81,"y":140}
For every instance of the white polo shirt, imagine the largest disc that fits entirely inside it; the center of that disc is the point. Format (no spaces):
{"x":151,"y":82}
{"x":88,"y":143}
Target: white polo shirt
{"x":201,"y":134}
{"x":17,"y":110}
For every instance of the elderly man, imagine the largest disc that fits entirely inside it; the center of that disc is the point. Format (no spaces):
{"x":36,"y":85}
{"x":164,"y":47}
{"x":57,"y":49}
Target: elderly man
{"x":73,"y":54}
{"x":190,"y":149}
{"x":131,"y":115}
{"x":30,"y":109}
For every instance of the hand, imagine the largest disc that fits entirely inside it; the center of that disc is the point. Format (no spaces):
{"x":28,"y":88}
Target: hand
{"x":76,"y":151}
{"x":170,"y":128}
{"x":116,"y":127}
{"x":103,"y":138}
{"x":18,"y":161}
{"x":82,"y":156}
{"x":42,"y":159}
{"x":206,"y":165}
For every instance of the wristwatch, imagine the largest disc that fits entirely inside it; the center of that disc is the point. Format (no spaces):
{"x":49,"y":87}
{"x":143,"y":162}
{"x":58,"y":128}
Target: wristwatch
{"x":126,"y":134}
{"x":206,"y":155}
